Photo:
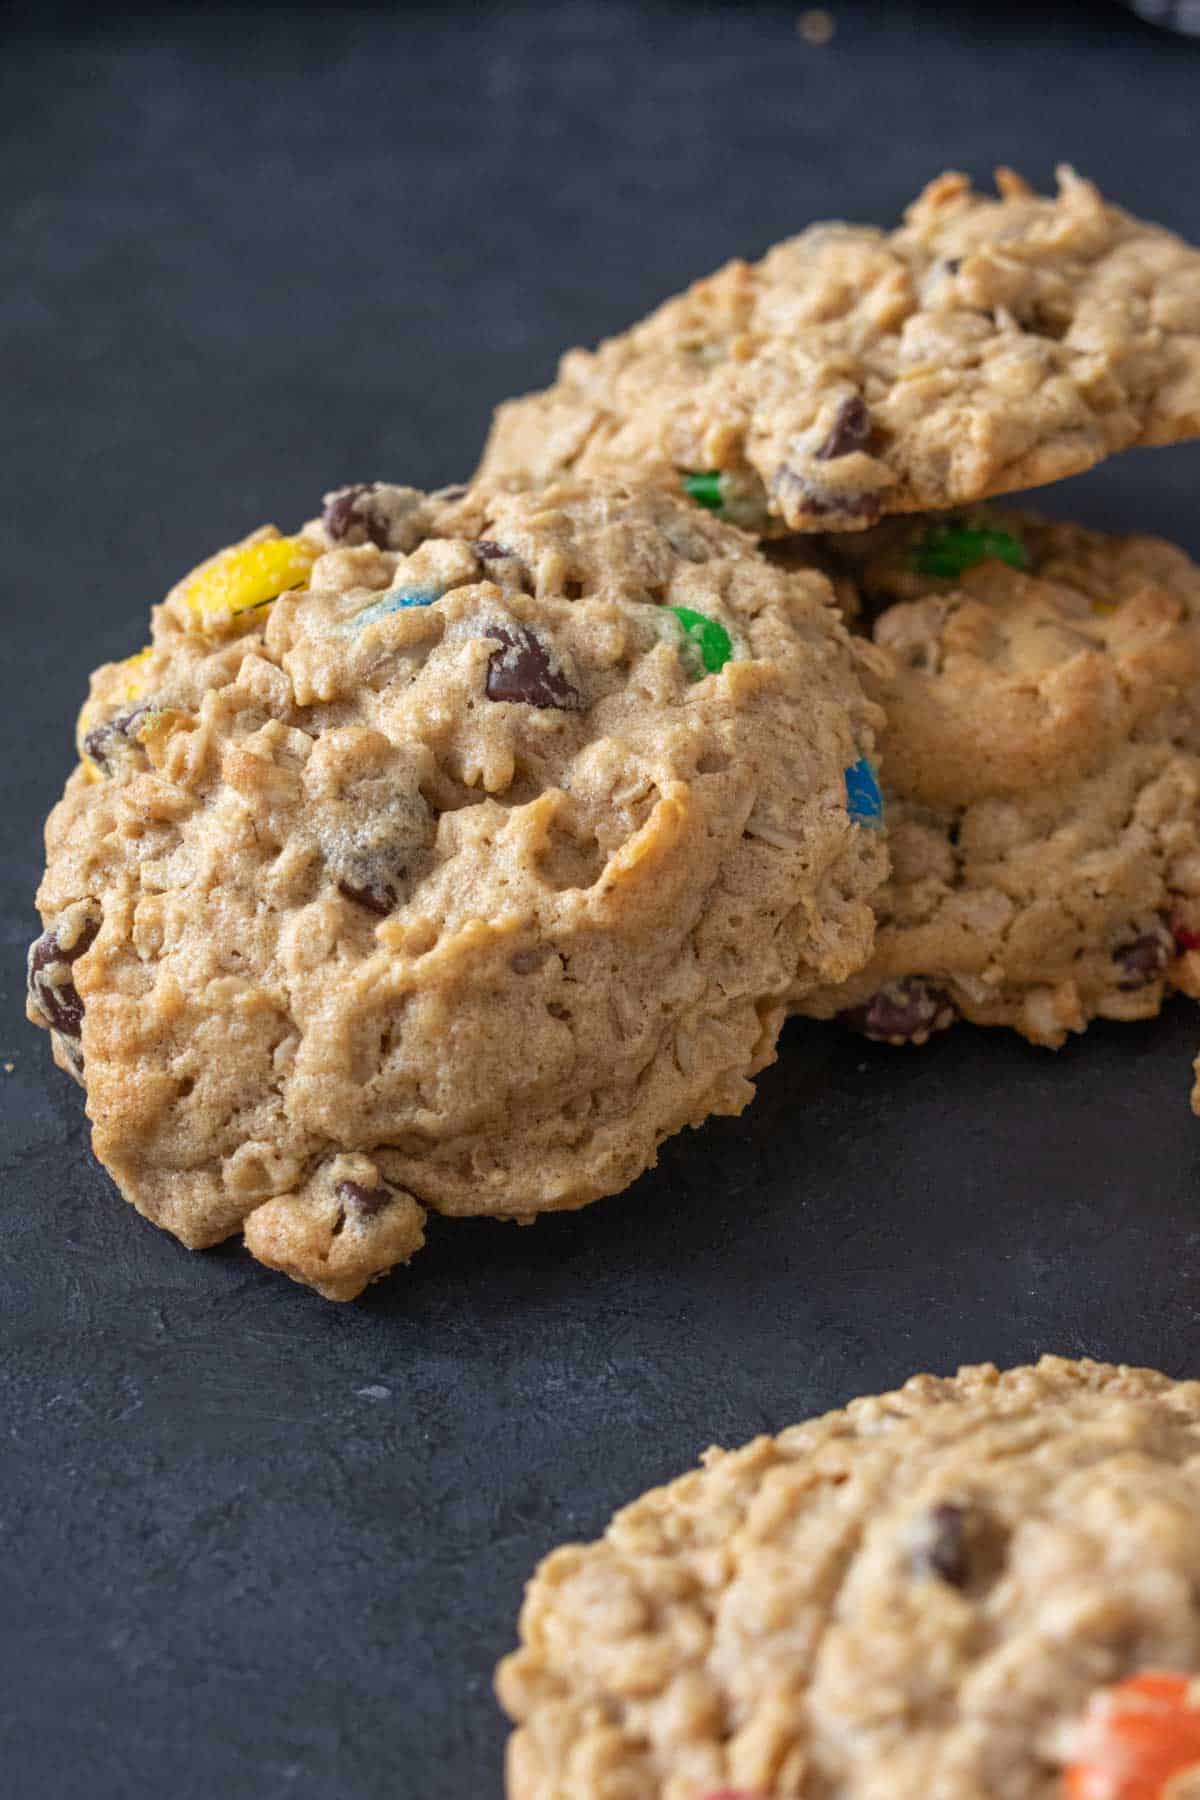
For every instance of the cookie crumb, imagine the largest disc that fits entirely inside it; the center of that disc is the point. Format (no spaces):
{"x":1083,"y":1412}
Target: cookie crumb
{"x":374,"y":1393}
{"x":816,"y":26}
{"x":8,"y":1068}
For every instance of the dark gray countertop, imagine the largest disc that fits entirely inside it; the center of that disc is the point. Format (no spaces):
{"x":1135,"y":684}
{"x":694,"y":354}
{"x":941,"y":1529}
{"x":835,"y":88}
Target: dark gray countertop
{"x":254,"y":1545}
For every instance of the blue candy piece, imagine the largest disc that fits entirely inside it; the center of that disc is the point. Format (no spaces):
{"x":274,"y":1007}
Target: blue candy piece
{"x":396,"y":601}
{"x":864,"y":801}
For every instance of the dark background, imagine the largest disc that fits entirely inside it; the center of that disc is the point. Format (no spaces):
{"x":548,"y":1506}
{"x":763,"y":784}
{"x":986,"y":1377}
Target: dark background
{"x":251,"y":1544}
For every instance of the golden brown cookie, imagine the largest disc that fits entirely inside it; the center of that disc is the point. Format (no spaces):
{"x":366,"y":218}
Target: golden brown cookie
{"x":986,"y":345}
{"x":450,"y":855}
{"x":1041,"y":765}
{"x":926,"y":1594}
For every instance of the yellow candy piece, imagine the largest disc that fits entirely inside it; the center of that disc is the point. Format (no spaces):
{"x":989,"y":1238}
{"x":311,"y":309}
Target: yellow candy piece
{"x":131,"y":666}
{"x":247,"y":575}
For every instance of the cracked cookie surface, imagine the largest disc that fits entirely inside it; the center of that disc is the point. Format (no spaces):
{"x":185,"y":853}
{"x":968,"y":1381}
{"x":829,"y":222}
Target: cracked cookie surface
{"x":985,"y":346}
{"x":447,"y":855}
{"x":1041,"y":764}
{"x":921,"y":1594}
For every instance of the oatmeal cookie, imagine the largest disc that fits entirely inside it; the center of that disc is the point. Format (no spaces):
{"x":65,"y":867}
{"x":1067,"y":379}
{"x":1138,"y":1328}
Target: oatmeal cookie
{"x":984,"y":346}
{"x":1041,"y":763}
{"x":449,"y":854}
{"x":961,"y":1590}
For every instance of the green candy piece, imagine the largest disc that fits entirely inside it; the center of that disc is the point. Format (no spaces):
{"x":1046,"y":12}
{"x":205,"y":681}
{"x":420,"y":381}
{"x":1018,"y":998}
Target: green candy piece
{"x":710,"y":637}
{"x":705,"y":489}
{"x":949,"y":550}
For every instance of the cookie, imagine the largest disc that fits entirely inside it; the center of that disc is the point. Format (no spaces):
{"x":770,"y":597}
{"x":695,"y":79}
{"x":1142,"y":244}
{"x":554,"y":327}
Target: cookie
{"x":448,"y":855}
{"x":958,"y":1590}
{"x":986,"y":345}
{"x":1042,"y":769}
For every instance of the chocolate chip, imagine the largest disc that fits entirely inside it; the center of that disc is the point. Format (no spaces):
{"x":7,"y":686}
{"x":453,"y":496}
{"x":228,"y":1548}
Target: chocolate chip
{"x":340,"y":513}
{"x":377,"y":898}
{"x":58,"y":1001}
{"x":850,"y":431}
{"x":902,"y":1012}
{"x":820,"y":504}
{"x":372,"y":835}
{"x":952,"y":264}
{"x":363,"y":1201}
{"x":521,"y":671}
{"x":1145,"y":960}
{"x":940,"y":1546}
{"x":102,"y":742}
{"x":390,"y":517}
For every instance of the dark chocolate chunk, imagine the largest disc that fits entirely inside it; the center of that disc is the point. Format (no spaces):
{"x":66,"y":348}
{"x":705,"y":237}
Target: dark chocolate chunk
{"x":851,"y":430}
{"x":1145,"y":960}
{"x":363,"y":1201}
{"x":58,"y":1001}
{"x":340,"y":511}
{"x":102,"y":742}
{"x":372,"y":836}
{"x":488,"y":550}
{"x":940,"y":1547}
{"x":377,"y":896}
{"x":521,"y":670}
{"x":375,"y":512}
{"x":901,"y":1011}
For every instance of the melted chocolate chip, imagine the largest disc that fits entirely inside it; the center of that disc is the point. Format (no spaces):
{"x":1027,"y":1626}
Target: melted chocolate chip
{"x":850,"y":431}
{"x":821,"y":504}
{"x":901,"y":1012}
{"x":1145,"y":960}
{"x":364,"y":1202}
{"x":103,"y":741}
{"x":521,"y":670}
{"x":488,"y":550}
{"x":940,"y":1548}
{"x":952,"y":264}
{"x":58,"y":1001}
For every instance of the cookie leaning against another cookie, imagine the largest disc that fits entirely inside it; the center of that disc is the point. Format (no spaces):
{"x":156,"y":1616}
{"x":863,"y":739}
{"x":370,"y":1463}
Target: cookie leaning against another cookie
{"x":448,"y":855}
{"x":926,"y":1594}
{"x":1042,"y":767}
{"x":986,"y":345}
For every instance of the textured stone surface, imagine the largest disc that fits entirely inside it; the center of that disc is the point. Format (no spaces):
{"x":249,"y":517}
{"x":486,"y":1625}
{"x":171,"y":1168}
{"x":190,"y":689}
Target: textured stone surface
{"x":267,"y":1549}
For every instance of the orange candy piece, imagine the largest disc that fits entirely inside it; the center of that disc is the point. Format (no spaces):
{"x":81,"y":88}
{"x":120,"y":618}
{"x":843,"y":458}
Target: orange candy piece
{"x":1134,"y":1738}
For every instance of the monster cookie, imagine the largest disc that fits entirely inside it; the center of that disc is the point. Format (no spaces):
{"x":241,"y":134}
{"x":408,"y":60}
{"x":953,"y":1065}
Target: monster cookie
{"x":449,"y":854}
{"x":986,"y":345}
{"x":1042,"y":765}
{"x":984,"y":1588}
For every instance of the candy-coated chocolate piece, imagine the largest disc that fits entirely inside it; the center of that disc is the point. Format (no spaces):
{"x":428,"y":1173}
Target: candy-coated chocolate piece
{"x":949,"y":550}
{"x":1135,"y":1738}
{"x":133,"y":666}
{"x":247,"y":576}
{"x":705,"y":488}
{"x":709,"y":635}
{"x":864,"y":801}
{"x":399,"y":600}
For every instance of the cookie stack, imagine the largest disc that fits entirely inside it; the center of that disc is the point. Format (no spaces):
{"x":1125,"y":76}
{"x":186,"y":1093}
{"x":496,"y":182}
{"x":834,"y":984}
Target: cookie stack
{"x":452,"y":852}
